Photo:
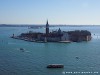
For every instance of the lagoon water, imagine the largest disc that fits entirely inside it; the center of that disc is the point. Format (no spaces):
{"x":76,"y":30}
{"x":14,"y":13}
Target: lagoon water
{"x":37,"y":56}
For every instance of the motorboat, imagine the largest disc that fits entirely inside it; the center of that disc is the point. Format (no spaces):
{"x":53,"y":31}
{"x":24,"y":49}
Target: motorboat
{"x":55,"y":66}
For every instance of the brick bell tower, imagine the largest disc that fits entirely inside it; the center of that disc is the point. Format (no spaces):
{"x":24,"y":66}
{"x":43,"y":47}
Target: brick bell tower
{"x":47,"y":28}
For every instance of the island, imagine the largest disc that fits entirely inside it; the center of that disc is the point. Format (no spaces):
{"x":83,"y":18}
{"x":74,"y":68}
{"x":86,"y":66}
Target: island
{"x":55,"y":36}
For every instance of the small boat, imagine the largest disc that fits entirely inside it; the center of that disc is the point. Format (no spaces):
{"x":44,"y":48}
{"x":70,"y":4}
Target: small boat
{"x":77,"y":57}
{"x":22,"y":49}
{"x":55,"y":66}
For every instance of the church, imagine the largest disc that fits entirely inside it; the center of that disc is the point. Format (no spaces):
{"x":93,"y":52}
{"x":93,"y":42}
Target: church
{"x":55,"y":36}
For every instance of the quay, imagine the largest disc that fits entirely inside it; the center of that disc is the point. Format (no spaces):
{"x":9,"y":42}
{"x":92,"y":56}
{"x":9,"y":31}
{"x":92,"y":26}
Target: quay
{"x":64,"y":41}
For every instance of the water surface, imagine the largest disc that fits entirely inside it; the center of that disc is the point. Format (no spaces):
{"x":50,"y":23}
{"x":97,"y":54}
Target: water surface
{"x":37,"y":56}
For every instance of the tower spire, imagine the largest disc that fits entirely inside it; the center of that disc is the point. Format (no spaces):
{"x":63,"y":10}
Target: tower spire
{"x":47,"y":21}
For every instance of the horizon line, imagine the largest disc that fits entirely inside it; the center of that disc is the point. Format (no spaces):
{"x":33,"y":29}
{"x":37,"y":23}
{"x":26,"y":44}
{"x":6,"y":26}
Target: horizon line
{"x":50,"y":24}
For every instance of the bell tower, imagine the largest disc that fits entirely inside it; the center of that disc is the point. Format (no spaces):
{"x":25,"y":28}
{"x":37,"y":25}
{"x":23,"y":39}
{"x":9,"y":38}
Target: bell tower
{"x":47,"y":28}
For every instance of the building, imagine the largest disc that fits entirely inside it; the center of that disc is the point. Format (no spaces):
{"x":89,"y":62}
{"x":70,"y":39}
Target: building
{"x":56,"y":36}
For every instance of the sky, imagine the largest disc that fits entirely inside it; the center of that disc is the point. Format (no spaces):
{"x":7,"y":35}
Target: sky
{"x":69,"y":12}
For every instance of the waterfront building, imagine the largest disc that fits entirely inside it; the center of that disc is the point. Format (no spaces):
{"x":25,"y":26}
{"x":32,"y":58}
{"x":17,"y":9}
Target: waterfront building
{"x":65,"y":36}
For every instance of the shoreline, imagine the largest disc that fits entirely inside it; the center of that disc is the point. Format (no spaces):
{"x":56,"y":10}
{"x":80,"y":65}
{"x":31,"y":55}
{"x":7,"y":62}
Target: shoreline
{"x":30,"y":40}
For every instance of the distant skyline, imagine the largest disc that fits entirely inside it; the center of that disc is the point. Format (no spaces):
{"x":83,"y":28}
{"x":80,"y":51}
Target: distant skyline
{"x":75,"y":12}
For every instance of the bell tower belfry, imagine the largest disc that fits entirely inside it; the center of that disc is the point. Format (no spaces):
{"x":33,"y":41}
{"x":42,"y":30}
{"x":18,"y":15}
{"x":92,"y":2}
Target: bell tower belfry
{"x":47,"y":28}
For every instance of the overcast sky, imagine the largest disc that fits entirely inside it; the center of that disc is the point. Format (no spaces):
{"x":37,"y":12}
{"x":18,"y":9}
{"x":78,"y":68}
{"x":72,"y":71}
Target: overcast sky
{"x":56,"y":11}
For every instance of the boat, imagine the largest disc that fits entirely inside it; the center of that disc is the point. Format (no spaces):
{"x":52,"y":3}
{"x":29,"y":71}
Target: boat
{"x":22,"y":49}
{"x":77,"y":57}
{"x":35,"y":27}
{"x":55,"y":66}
